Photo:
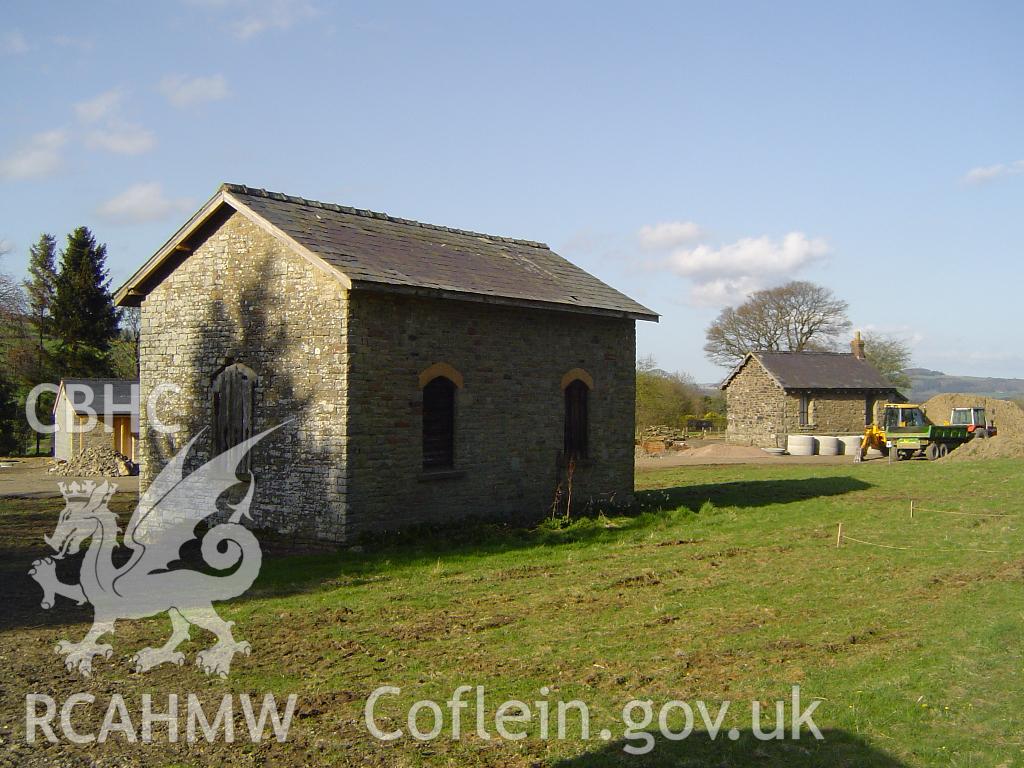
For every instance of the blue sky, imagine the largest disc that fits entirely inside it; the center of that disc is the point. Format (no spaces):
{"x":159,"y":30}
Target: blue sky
{"x":685,"y":153}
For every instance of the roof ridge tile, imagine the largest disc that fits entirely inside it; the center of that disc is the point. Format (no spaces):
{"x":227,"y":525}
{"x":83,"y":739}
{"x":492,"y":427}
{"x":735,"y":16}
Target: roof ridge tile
{"x":242,"y":189}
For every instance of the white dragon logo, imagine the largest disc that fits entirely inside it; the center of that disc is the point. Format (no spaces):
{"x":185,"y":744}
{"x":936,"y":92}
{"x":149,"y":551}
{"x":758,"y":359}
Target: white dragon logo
{"x":149,"y":581}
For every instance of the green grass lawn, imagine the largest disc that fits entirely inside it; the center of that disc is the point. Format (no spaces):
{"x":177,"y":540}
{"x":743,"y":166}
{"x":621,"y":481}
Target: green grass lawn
{"x":729,"y":586}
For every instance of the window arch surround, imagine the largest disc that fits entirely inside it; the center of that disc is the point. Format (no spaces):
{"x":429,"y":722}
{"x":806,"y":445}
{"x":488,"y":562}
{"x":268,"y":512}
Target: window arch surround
{"x":439,"y":384}
{"x":440,"y":369}
{"x":576,"y":395}
{"x":577,"y":374}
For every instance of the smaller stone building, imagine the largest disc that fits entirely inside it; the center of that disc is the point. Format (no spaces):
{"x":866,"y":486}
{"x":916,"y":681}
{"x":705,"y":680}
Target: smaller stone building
{"x":91,"y":412}
{"x":771,"y":395}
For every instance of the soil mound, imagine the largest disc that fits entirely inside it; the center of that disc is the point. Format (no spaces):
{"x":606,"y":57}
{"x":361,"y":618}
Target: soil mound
{"x":1006,"y":415}
{"x":998,"y":447}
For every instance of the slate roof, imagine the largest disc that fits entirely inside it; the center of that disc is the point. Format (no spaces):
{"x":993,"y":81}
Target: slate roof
{"x":818,"y":370}
{"x":376,"y":250}
{"x":120,"y":402}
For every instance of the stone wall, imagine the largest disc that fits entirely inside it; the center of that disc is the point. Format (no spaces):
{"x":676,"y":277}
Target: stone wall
{"x":509,"y":411}
{"x":756,"y":407}
{"x":242,"y":296}
{"x":345,"y":366}
{"x":830,"y":413}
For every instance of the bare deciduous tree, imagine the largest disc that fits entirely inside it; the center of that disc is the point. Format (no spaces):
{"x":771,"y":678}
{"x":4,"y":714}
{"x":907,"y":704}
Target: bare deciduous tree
{"x":12,"y":335}
{"x":795,"y":317}
{"x":12,"y":300}
{"x":130,"y":320}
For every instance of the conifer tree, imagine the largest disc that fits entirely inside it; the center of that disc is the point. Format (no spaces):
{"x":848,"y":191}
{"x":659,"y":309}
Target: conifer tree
{"x":40,"y":287}
{"x":84,"y":319}
{"x":41,"y":283}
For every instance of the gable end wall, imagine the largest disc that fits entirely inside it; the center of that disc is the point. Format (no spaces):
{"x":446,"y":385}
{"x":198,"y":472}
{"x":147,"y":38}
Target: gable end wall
{"x":755,"y":407}
{"x":243,"y":296}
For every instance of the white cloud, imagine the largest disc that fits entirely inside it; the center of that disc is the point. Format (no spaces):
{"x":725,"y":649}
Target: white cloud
{"x":110,"y":131}
{"x":246,"y":19}
{"x":14,"y":43}
{"x":729,"y":273}
{"x":184,"y":91}
{"x":264,"y":15}
{"x":749,"y":256}
{"x":668,"y":234}
{"x":985,"y":173}
{"x":40,"y":156}
{"x":80,"y":44}
{"x":122,"y":138}
{"x":722,"y":292}
{"x":95,"y":109}
{"x":141,"y":203}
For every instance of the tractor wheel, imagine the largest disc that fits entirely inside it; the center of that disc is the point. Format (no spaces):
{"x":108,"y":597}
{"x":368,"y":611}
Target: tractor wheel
{"x":932,"y":451}
{"x":944,"y":450}
{"x":884,"y":450}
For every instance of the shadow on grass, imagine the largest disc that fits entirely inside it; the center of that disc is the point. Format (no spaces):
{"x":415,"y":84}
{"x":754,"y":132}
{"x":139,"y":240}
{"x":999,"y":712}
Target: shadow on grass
{"x":839,"y":749}
{"x":747,"y":493}
{"x":374,"y":558}
{"x":284,"y":572}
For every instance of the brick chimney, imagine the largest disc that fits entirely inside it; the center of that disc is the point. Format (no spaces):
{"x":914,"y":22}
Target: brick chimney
{"x":857,"y":346}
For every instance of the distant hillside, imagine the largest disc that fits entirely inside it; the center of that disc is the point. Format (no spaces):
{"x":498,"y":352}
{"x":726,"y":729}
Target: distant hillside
{"x":928,"y":383}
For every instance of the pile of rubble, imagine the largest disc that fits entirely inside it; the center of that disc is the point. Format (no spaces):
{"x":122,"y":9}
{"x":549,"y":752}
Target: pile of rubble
{"x":663,"y":432}
{"x":98,"y":461}
{"x":661,"y":438}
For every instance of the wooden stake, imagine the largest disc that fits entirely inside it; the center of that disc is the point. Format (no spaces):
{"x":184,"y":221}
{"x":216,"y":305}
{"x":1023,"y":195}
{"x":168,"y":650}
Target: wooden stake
{"x":839,"y":536}
{"x":911,"y":509}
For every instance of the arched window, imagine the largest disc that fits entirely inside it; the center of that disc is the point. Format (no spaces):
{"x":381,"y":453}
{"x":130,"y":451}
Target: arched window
{"x":234,"y":395}
{"x":439,"y":423}
{"x":576,"y":393}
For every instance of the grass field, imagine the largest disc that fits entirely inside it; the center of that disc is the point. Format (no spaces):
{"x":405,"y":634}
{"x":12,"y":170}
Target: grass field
{"x":728,"y":587}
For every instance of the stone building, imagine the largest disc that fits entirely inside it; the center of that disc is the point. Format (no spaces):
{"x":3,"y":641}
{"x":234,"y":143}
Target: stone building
{"x":771,"y":395}
{"x":430,"y":373}
{"x":91,"y":412}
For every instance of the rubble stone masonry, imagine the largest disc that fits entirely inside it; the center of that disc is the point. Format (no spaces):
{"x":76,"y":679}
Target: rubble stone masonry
{"x":242,"y":297}
{"x":509,"y":410}
{"x":762,"y":414}
{"x":346,"y":366}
